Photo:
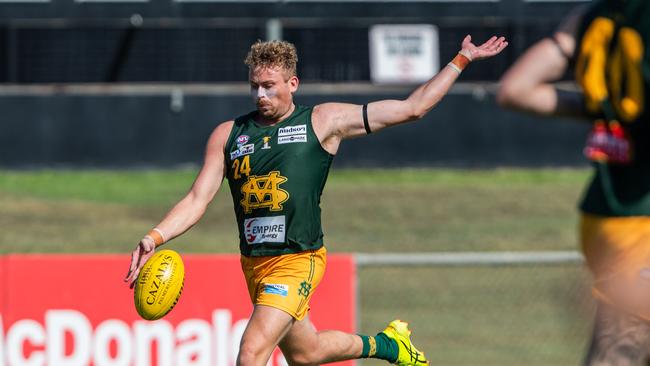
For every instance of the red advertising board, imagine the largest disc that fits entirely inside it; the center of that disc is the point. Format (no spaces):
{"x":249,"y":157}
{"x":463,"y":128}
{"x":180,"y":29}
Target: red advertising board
{"x":67,"y":310}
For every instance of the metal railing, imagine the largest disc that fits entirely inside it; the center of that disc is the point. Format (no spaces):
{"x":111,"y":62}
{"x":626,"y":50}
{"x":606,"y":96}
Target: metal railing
{"x":467,"y":258}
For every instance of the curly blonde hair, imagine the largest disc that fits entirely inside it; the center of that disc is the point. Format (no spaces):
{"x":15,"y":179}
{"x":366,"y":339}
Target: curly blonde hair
{"x":280,"y":54}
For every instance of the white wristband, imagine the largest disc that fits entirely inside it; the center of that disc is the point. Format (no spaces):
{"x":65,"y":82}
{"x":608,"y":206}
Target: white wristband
{"x":455,"y":68}
{"x":161,"y":234}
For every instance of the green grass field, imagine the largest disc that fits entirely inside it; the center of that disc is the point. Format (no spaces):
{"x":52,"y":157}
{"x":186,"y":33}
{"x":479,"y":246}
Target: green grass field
{"x":460,"y":316}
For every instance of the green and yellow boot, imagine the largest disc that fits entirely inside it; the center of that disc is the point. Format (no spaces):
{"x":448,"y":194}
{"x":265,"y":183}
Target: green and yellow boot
{"x":408,"y":355}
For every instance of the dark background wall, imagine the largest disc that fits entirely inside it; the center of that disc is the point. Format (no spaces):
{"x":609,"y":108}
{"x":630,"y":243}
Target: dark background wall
{"x":126,"y":130}
{"x":129,"y":84}
{"x":205,"y":41}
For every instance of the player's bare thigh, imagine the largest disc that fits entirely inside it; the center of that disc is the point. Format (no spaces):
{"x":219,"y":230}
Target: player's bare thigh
{"x":266,"y":327}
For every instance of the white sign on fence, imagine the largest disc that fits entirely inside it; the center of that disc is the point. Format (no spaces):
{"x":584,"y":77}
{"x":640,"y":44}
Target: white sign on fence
{"x":403,"y":53}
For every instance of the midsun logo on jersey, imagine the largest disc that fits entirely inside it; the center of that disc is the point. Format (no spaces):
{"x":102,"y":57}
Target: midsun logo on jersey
{"x":265,"y":229}
{"x":263,"y":191}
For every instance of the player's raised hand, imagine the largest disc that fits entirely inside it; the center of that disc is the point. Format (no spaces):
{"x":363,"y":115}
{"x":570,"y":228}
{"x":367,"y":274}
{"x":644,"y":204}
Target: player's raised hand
{"x":492,"y":47}
{"x":139,"y":256}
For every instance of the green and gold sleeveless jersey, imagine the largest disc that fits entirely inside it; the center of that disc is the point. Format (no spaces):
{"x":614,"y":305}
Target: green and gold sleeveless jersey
{"x":276,"y":176}
{"x":613,"y":68}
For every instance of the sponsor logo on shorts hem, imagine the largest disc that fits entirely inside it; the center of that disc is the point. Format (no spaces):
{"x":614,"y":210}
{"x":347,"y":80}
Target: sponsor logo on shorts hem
{"x":276,"y":289}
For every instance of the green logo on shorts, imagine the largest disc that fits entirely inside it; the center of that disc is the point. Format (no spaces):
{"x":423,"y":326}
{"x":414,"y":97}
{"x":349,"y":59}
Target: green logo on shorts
{"x":305,"y":289}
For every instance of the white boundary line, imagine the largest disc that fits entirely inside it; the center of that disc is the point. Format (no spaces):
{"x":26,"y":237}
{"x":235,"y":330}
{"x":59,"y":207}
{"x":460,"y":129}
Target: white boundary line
{"x":467,"y":258}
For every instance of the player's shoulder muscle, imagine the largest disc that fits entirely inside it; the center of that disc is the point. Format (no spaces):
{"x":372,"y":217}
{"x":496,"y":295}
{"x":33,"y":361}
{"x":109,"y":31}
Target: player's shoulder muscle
{"x":221,"y":133}
{"x":219,"y":137}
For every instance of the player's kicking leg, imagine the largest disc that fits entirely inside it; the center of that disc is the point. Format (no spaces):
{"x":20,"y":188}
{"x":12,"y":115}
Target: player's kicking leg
{"x":408,"y":355}
{"x":304,"y":346}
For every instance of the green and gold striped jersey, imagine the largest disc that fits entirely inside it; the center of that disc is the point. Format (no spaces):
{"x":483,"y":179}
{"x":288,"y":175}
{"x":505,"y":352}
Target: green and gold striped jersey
{"x":276,"y":176}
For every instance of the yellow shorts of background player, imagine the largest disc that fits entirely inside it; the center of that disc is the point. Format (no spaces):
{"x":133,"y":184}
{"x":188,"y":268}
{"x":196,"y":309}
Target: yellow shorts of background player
{"x":617,"y":251}
{"x":285,"y":282}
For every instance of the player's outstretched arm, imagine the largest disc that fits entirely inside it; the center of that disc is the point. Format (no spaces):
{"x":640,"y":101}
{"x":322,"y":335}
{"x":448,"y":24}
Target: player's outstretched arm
{"x":529,"y":84}
{"x":336,"y":121}
{"x":188,"y":210}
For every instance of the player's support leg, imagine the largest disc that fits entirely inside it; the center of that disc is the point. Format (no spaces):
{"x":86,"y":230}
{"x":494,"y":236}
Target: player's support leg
{"x":619,"y":339}
{"x":266,"y":327}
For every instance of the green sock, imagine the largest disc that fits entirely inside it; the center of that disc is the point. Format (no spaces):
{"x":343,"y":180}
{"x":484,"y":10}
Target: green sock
{"x":379,"y":346}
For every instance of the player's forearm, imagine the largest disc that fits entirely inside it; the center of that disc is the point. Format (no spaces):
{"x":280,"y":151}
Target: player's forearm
{"x":388,"y":113}
{"x":385,"y":113}
{"x":181,"y":217}
{"x":428,"y":95}
{"x":191,"y":208}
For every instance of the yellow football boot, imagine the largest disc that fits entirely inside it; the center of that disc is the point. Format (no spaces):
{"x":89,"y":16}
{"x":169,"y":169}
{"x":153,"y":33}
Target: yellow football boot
{"x":408,"y":355}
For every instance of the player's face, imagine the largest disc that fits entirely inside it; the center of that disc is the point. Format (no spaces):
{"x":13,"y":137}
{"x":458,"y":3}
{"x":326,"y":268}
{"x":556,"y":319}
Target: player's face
{"x":272,"y":91}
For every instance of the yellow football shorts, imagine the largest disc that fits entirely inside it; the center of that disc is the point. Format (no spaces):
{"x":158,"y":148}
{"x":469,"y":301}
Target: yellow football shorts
{"x":285,"y":282}
{"x":617,"y":251}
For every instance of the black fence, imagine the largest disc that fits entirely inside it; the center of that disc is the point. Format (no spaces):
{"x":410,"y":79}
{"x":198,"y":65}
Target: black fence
{"x":170,"y":126}
{"x":156,"y":71}
{"x":90,"y":41}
